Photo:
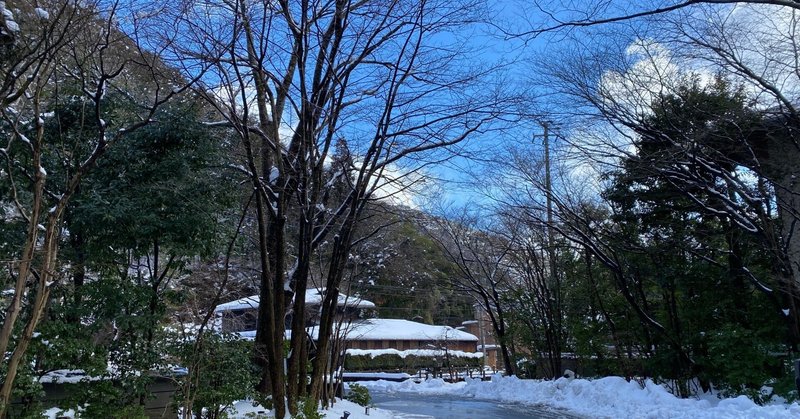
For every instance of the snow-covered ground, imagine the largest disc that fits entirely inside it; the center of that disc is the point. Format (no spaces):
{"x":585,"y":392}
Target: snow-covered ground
{"x":248,"y":410}
{"x":243,"y":409}
{"x":609,"y":397}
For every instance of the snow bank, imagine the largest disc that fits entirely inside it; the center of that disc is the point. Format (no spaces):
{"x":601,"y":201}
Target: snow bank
{"x":609,"y":397}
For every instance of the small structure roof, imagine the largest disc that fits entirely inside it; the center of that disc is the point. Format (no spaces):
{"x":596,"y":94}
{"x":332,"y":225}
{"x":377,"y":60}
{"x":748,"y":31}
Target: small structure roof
{"x":313,"y":297}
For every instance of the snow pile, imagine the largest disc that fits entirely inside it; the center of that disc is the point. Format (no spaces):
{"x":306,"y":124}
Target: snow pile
{"x":372,"y":353}
{"x":609,"y":397}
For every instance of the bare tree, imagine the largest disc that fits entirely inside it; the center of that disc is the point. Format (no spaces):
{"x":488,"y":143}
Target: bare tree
{"x":295,"y":79}
{"x":537,"y":294}
{"x":484,"y":271}
{"x":551,"y":16}
{"x":586,"y":225}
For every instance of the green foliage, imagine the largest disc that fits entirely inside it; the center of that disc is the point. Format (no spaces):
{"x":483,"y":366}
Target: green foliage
{"x":359,"y":395}
{"x":741,"y":360}
{"x":784,"y":385}
{"x":112,"y":399}
{"x":158,"y":194}
{"x":669,"y":255}
{"x":309,"y":409}
{"x":220,"y":372}
{"x":160,"y":184}
{"x":27,"y":394}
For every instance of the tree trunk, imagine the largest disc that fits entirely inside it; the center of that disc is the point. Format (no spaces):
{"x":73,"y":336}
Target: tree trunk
{"x":266,"y":335}
{"x":44,"y":279}
{"x":339,"y":254}
{"x":278,"y":314}
{"x":296,"y":374}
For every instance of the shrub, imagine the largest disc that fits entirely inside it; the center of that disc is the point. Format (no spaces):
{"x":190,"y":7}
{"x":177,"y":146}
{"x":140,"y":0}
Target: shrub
{"x":308,"y":409}
{"x":359,"y":395}
{"x":220,"y":373}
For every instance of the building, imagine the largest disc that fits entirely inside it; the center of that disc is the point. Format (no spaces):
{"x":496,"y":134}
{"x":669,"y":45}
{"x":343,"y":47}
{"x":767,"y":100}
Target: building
{"x":241,"y":315}
{"x":406,"y":335}
{"x":487,"y":343}
{"x":358,"y":330}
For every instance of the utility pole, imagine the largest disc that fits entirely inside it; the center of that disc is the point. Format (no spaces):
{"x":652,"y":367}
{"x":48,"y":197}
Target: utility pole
{"x":555,"y":294}
{"x":548,"y":186}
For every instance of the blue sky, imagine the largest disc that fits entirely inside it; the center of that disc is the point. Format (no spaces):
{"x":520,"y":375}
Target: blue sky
{"x":463,"y":177}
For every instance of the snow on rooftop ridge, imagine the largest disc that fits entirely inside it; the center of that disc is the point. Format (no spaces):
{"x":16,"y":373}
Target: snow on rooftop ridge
{"x":315,"y":297}
{"x":312,"y":298}
{"x":388,"y":329}
{"x":377,"y":375}
{"x":398,"y":329}
{"x":240,"y":304}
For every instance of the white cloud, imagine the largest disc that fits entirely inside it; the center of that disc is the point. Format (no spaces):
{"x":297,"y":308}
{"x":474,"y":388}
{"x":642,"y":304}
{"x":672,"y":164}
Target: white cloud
{"x":236,"y":98}
{"x":754,"y":45}
{"x":402,"y":186}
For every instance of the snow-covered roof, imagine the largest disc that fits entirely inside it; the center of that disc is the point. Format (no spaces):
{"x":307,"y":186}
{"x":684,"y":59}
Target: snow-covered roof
{"x":240,"y":304}
{"x":388,"y":329}
{"x":313,"y":297}
{"x":397,"y":329}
